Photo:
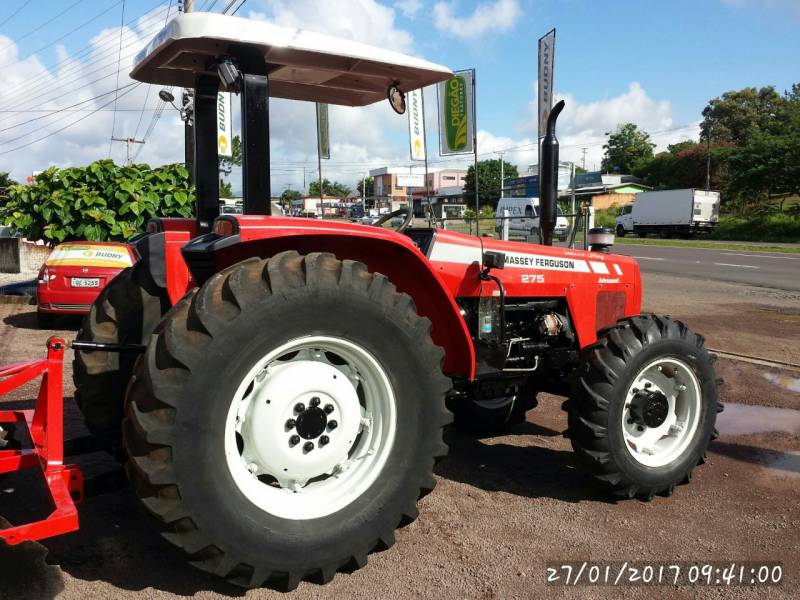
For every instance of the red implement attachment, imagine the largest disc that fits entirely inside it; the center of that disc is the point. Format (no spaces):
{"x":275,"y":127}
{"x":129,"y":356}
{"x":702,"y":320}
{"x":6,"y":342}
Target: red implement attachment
{"x":45,"y":424}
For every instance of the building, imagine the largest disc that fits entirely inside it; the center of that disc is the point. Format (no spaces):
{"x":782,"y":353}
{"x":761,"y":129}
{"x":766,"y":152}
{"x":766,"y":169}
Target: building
{"x":332,"y":206}
{"x":607,"y":190}
{"x":604,"y":190}
{"x":446,"y":178}
{"x":392,"y":186}
{"x":395,"y":187}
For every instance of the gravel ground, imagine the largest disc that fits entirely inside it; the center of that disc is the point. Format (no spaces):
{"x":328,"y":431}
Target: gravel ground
{"x":504,"y":506}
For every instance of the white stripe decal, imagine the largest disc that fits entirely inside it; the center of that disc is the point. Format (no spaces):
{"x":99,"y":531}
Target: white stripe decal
{"x":546,"y":263}
{"x":617,"y":269}
{"x":599,"y":267}
{"x":455,"y":253}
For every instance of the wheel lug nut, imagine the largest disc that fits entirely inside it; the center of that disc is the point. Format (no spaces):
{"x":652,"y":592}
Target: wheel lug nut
{"x":640,"y":428}
{"x":299,"y":407}
{"x":635,"y":390}
{"x":314,"y":402}
{"x":290,"y":424}
{"x":648,"y":385}
{"x":294,"y":440}
{"x":324,"y":440}
{"x":328,"y":408}
{"x":332,"y":424}
{"x":308,"y":446}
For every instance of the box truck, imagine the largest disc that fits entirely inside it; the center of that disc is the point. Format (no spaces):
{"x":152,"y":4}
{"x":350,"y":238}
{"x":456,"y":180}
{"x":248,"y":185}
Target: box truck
{"x":670,"y":212}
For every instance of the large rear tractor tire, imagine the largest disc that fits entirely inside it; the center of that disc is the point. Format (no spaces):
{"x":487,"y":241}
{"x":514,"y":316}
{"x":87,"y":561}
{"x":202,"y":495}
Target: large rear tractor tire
{"x":286,"y":418}
{"x":125,"y":312}
{"x":645,"y":406}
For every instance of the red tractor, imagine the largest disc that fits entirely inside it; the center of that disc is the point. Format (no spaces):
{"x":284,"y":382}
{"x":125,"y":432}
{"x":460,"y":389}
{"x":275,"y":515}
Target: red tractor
{"x":297,"y":375}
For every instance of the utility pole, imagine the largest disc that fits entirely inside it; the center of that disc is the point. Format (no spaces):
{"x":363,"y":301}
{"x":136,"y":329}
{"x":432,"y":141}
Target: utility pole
{"x":708,"y":159}
{"x":584,"y":158}
{"x":502,"y":172}
{"x":188,"y":107}
{"x":364,"y":195}
{"x":129,"y":142}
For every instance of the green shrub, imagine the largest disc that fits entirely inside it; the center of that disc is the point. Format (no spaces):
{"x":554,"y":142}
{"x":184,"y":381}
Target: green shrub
{"x":606,"y":217}
{"x":99,"y":202}
{"x":767,"y":228}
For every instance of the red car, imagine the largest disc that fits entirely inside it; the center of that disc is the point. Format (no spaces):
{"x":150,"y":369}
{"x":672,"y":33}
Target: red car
{"x":74,"y":274}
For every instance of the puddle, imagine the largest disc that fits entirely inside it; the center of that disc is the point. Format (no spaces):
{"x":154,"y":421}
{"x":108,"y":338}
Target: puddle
{"x":785,"y":461}
{"x":743,"y":419}
{"x":787,"y":383}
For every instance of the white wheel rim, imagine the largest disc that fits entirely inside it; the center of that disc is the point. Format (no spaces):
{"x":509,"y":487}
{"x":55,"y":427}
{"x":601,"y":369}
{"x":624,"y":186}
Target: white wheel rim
{"x":335,"y":380}
{"x":657,"y":446}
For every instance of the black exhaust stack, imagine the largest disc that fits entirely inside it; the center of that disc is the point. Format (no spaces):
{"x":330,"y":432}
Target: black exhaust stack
{"x":548,"y":178}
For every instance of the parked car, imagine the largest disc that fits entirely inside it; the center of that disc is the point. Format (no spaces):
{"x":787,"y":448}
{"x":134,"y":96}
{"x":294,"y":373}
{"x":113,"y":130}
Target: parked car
{"x":524,"y":217}
{"x":74,"y":275}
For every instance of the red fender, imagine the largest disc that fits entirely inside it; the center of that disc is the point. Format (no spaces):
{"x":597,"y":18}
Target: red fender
{"x":382,"y":250}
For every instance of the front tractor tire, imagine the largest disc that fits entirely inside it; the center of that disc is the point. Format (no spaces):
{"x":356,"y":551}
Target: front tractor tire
{"x":125,"y":312}
{"x":286,"y":418}
{"x":645,"y":406}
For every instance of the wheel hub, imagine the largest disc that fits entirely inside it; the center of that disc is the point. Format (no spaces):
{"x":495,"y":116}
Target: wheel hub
{"x":649,"y":409}
{"x":284,"y":426}
{"x":310,"y":427}
{"x":311,"y":423}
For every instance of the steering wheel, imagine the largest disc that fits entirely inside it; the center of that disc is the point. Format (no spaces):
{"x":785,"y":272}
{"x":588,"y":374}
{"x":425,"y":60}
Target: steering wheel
{"x":396,"y":213}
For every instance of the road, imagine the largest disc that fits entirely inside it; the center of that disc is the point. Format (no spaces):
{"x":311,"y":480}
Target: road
{"x":763,"y":269}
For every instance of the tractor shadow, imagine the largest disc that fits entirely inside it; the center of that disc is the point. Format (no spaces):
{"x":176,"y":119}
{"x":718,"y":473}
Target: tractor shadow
{"x":530,"y":471}
{"x":119,"y":546}
{"x":27,"y":320}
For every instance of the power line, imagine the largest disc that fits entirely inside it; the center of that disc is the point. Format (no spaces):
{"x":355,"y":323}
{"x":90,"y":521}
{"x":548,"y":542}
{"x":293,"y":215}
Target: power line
{"x":52,"y":133}
{"x":15,"y":13}
{"x":69,"y":33}
{"x":38,"y":27}
{"x":149,"y":87}
{"x":116,"y":86}
{"x":56,"y":111}
{"x":162,"y":105}
{"x":32,"y":84}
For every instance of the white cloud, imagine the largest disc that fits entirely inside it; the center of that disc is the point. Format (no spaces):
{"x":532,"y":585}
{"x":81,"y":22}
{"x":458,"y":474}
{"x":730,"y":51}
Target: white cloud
{"x":584,"y":124}
{"x":497,"y":16}
{"x":409,"y":8}
{"x":366,"y":21}
{"x":360,"y":137}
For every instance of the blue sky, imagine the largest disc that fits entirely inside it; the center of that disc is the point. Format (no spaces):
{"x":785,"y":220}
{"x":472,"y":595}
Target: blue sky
{"x":653,"y":63}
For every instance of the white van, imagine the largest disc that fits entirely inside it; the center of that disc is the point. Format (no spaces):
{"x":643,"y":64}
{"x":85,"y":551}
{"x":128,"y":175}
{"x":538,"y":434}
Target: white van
{"x":524,"y":221}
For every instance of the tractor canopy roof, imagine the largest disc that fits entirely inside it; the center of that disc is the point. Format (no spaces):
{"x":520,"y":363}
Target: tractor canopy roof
{"x":301,"y":65}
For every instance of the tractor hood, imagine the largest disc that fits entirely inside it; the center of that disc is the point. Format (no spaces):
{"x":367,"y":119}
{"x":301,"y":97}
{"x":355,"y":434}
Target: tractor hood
{"x":301,"y":65}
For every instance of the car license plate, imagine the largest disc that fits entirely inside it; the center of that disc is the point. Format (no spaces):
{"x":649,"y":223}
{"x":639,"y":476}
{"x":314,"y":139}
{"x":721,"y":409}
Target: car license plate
{"x":85,"y":282}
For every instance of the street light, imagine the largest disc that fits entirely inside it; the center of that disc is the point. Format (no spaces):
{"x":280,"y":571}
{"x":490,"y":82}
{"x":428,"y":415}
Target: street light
{"x":186,"y":111}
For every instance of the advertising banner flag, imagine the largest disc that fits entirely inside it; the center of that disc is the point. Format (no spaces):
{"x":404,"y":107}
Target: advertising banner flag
{"x":456,"y":114}
{"x":224,"y":124}
{"x":323,"y":133}
{"x":547,"y":50}
{"x":416,"y":124}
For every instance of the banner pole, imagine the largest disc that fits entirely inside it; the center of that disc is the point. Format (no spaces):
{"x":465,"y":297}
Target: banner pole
{"x":319,"y":166}
{"x":475,"y":155}
{"x":425,"y":144}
